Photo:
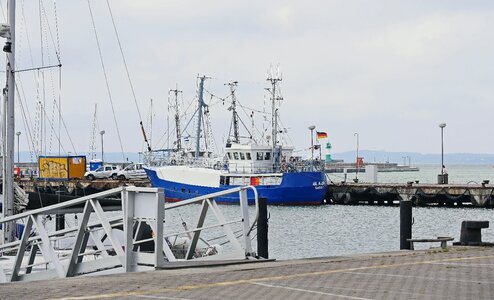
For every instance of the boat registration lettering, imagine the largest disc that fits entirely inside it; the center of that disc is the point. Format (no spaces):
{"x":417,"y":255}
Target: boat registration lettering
{"x":318,"y":184}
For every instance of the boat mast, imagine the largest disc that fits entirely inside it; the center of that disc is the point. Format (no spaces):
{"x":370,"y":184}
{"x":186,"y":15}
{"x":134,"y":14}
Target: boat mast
{"x":177,"y":119}
{"x":9,"y":129}
{"x":233,"y":108}
{"x":199,"y":114}
{"x":274,"y":121}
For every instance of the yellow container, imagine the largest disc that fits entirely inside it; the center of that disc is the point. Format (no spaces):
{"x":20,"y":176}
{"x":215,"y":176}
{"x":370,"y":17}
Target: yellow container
{"x":62,"y":167}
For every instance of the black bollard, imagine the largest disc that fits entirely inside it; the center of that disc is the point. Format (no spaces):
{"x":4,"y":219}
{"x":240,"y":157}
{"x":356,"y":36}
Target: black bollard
{"x":405,"y":224}
{"x":59,"y":222}
{"x":262,"y":229}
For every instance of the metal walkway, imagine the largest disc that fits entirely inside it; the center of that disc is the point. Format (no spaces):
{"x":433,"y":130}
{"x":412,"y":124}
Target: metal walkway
{"x":140,"y":207}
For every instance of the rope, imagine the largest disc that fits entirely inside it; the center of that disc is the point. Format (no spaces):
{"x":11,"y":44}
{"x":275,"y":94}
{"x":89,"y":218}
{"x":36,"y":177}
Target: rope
{"x":57,"y":47}
{"x":128,"y":76}
{"x":27,"y":129}
{"x":106,"y":78}
{"x":124,"y":61}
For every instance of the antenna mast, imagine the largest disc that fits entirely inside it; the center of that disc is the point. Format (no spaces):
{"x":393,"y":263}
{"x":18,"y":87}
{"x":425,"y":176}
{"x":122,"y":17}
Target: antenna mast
{"x":177,"y":118}
{"x":274,"y":79}
{"x":233,"y":108}
{"x":199,"y":114}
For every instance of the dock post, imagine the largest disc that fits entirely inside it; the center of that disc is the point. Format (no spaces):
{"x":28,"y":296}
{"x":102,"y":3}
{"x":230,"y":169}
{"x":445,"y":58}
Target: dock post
{"x":59,"y":221}
{"x":405,"y":223}
{"x":262,"y":229}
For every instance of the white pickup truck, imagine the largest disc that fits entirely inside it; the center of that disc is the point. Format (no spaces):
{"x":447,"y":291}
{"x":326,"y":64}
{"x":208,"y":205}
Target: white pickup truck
{"x":106,"y":171}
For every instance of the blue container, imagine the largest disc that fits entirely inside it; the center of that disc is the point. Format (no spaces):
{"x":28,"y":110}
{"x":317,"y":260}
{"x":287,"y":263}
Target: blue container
{"x":93,"y":165}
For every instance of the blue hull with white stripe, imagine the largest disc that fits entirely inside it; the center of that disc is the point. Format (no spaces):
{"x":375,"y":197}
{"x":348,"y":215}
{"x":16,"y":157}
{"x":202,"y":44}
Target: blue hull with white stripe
{"x":300,"y":188}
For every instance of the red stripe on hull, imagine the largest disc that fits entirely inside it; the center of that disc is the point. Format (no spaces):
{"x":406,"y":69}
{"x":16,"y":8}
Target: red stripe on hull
{"x":174,"y":200}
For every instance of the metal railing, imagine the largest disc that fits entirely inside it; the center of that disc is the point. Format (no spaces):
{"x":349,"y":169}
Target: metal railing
{"x":140,"y":208}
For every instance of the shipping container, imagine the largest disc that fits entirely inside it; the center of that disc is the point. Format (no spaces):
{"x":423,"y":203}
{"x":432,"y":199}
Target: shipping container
{"x":62,"y":167}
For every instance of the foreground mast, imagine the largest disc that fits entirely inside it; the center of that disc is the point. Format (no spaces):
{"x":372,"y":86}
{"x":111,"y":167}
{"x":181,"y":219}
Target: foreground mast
{"x":9,"y":126}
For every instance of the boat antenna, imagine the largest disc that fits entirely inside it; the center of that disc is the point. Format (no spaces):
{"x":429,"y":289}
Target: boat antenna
{"x":177,"y":117}
{"x":233,"y":108}
{"x":199,"y":114}
{"x":274,"y":79}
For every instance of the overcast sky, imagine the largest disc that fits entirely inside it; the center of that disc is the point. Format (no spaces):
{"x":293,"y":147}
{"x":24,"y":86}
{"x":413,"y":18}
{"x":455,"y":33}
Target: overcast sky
{"x":389,"y":70}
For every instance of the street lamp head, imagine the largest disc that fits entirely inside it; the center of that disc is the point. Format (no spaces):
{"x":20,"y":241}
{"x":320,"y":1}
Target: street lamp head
{"x":312,"y":127}
{"x":18,"y":133}
{"x":442,"y":125}
{"x":102,"y":132}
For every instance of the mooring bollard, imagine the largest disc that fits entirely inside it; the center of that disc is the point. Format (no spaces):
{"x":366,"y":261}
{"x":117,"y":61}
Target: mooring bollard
{"x":471,"y":234}
{"x":405,"y":224}
{"x":262,"y":229}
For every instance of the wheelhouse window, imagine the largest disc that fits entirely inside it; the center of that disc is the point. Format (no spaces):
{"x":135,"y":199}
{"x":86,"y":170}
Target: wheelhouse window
{"x":247,"y":155}
{"x":229,"y":155}
{"x":259,"y":155}
{"x":242,"y":156}
{"x":267,"y":156}
{"x":235,"y":155}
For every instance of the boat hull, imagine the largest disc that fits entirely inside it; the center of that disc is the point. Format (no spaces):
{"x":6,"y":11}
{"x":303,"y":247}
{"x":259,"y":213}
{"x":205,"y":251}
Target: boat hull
{"x":301,"y":188}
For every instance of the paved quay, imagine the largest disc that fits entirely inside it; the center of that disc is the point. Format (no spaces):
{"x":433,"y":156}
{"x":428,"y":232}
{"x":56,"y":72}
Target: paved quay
{"x":458,"y":273}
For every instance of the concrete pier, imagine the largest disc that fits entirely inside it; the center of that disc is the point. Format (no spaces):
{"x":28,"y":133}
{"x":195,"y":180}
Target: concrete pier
{"x":479,"y":195}
{"x":456,"y":273}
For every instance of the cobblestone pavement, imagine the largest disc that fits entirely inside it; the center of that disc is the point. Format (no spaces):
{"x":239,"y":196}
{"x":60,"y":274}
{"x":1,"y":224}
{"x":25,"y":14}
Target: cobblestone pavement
{"x":459,"y":273}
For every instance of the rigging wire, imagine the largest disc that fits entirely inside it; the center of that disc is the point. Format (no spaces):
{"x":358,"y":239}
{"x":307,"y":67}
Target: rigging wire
{"x":106,"y":78}
{"x":57,"y":46}
{"x":128,"y":73}
{"x":27,"y":129}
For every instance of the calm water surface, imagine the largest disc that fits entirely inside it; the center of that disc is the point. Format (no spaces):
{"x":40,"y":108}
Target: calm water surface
{"x":329,"y":230}
{"x":300,"y":232}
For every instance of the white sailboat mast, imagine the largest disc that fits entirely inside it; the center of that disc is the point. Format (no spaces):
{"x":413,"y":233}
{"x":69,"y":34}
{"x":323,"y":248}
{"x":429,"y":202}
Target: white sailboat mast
{"x":9,"y":127}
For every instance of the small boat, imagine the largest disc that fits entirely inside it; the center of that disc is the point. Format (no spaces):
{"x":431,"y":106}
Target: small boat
{"x":278,"y":176}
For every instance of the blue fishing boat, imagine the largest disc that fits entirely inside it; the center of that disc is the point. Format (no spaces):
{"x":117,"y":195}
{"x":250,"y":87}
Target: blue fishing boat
{"x":280,"y":177}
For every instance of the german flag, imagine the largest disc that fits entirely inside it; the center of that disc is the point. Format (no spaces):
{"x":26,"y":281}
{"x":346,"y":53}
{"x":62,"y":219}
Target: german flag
{"x":321,"y":135}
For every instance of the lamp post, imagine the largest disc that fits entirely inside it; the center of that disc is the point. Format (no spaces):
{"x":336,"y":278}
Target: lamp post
{"x":18,"y":133}
{"x":311,"y":128}
{"x":356,"y":160}
{"x":102,"y":132}
{"x":442,"y":125}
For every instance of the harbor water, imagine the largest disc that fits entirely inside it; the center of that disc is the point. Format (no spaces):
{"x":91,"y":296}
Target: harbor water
{"x":333,"y":230}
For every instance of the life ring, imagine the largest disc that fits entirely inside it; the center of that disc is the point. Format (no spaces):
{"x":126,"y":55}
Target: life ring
{"x":217,"y":166}
{"x":284,"y":167}
{"x":173,"y":162}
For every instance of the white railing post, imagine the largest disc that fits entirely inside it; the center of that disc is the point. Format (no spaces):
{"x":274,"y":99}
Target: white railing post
{"x":128,"y":202}
{"x":244,"y":207}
